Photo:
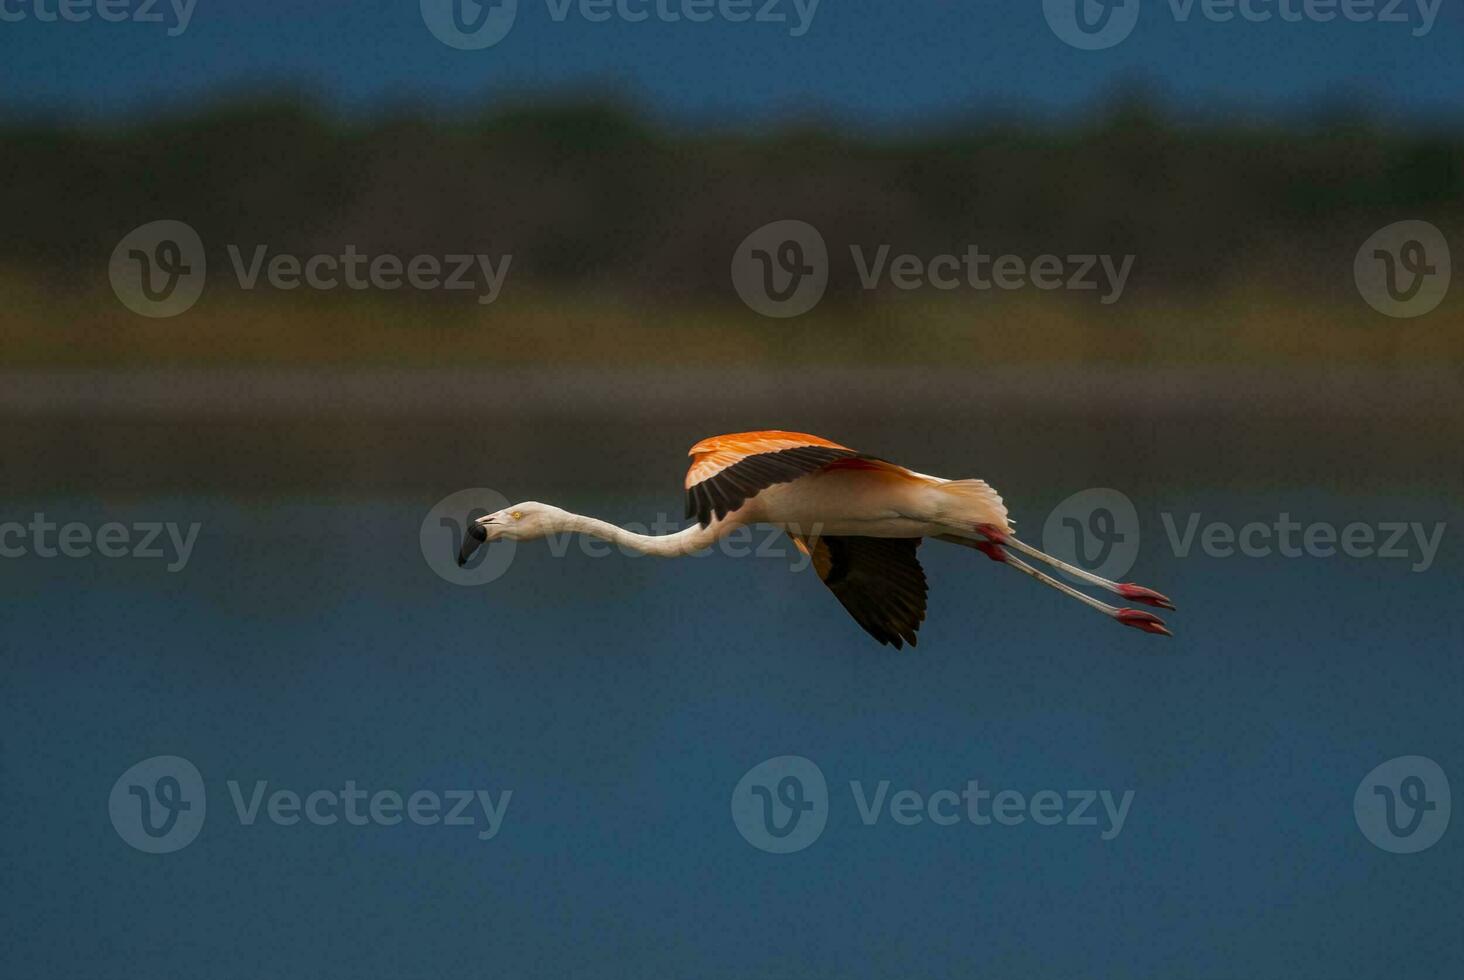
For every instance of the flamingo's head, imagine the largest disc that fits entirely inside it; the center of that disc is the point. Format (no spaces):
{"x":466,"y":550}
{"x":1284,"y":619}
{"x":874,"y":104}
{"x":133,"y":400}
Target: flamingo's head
{"x":521,"y":522}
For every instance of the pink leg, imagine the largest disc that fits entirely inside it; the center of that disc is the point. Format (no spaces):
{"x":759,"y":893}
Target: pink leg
{"x":1130,"y":591}
{"x":1136,"y":618}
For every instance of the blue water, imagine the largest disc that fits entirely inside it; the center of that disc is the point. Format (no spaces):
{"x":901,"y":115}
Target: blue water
{"x":859,"y":62}
{"x":622,"y":699}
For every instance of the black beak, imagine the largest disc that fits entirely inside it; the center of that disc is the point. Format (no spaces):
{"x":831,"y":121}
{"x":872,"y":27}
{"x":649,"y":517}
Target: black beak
{"x":477,"y":534}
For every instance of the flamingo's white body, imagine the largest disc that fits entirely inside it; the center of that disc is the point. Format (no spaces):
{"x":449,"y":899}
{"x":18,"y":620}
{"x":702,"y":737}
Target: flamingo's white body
{"x":872,"y":503}
{"x":860,"y":519}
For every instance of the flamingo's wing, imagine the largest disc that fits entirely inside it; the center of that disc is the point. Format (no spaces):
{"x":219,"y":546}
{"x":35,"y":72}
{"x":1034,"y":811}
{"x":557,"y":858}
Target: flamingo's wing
{"x":878,"y":580}
{"x":726,"y":470}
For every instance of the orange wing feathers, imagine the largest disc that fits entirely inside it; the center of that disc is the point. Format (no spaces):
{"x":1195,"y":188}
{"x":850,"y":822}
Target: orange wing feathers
{"x":727,"y":470}
{"x":712,"y":456}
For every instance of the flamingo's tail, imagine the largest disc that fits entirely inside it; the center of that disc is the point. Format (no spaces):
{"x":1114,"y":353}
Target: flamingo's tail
{"x":968,"y":503}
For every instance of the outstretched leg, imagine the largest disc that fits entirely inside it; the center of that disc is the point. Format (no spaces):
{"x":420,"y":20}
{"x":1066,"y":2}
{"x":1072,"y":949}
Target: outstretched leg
{"x":1130,"y":591}
{"x":1136,"y":618}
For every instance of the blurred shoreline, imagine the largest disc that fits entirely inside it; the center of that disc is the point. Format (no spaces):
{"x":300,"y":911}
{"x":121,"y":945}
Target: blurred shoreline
{"x":588,"y":195}
{"x":1337,"y":391}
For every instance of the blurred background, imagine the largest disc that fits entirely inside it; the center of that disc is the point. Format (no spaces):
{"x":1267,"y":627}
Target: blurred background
{"x":672,"y":227}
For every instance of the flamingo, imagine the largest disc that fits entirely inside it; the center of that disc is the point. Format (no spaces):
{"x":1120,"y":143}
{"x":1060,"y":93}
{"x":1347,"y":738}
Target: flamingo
{"x":859,"y":518}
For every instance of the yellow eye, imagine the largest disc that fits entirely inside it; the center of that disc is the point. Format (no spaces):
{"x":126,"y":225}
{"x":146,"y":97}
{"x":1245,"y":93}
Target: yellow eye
{"x":516,"y":515}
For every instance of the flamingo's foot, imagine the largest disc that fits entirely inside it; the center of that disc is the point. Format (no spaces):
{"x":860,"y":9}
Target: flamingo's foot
{"x":1141,"y":620}
{"x":1147,"y":596}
